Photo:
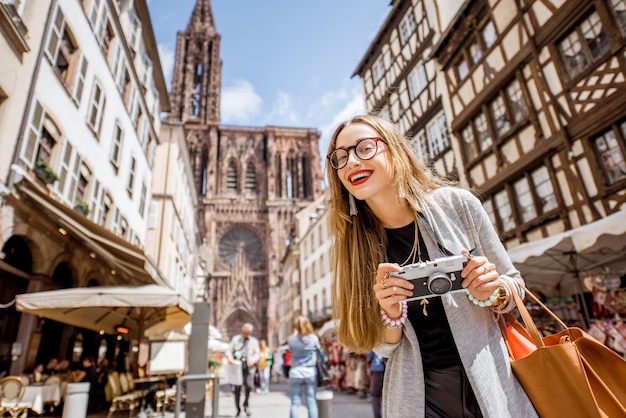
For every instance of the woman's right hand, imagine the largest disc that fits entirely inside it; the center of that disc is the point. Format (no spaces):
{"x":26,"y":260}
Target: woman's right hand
{"x":390,"y":291}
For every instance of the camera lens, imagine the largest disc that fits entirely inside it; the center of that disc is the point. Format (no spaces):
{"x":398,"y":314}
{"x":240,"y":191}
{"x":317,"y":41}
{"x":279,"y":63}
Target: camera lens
{"x":439,"y":283}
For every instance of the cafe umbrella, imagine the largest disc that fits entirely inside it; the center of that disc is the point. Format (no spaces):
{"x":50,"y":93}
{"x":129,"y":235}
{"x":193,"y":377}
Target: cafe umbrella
{"x":107,"y":308}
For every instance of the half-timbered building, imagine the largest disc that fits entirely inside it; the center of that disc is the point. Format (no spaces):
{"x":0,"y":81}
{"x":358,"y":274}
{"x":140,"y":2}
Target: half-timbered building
{"x":537,"y":101}
{"x":399,"y":80}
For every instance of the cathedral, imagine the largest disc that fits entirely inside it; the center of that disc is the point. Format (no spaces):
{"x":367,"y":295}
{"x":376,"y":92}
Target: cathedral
{"x":251,"y":181}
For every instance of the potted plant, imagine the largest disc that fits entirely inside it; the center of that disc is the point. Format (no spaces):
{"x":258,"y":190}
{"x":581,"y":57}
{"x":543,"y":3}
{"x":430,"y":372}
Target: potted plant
{"x":82,"y":207}
{"x":44,"y":172}
{"x":214,"y":364}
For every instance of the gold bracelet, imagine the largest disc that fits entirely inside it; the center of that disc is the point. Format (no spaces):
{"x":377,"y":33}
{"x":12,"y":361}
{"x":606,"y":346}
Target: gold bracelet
{"x":502,"y":299}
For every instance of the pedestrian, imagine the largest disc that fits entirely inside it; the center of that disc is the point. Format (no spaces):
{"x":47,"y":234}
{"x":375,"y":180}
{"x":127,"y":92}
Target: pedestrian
{"x":245,"y":348}
{"x":446,"y":356}
{"x":286,"y":363}
{"x":265,"y":365}
{"x":304,"y":346}
{"x":377,"y":373}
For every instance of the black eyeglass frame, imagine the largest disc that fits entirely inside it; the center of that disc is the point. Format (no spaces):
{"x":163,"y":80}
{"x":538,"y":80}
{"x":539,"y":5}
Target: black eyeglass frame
{"x":355,"y":147}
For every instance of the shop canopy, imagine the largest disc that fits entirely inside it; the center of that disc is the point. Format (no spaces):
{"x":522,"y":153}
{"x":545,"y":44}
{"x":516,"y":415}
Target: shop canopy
{"x":128,"y":260}
{"x":556,"y":265}
{"x":107,"y":308}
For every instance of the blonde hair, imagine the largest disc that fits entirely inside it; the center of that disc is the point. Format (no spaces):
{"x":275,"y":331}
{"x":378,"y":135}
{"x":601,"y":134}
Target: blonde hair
{"x":303,"y":326}
{"x":360,"y":241}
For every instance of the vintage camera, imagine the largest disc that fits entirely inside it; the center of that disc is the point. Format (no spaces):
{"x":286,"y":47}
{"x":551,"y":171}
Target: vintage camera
{"x":434,"y":278}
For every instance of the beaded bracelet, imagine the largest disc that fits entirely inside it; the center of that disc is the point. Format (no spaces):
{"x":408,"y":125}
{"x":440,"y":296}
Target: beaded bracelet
{"x":395,"y":323}
{"x":484,"y":303}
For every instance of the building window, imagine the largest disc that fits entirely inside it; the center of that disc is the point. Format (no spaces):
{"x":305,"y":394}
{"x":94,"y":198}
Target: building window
{"x":142,"y":200}
{"x":544,"y":190}
{"x":68,"y":171}
{"x":489,"y":34}
{"x":84,"y":177}
{"x":41,"y":138}
{"x":504,"y":211}
{"x":475,"y":52}
{"x":469,"y":143}
{"x":517,"y":104}
{"x":498,"y":114}
{"x":79,"y":83}
{"x":509,"y":108}
{"x":64,"y":55}
{"x":378,"y":69}
{"x":96,"y":107}
{"x":134,"y":33}
{"x":438,"y":139}
{"x":116,"y":146}
{"x":618,"y":7}
{"x":585,"y":44}
{"x":462,"y":69}
{"x":131,"y":177}
{"x":103,"y":218}
{"x":482,"y":132}
{"x":611,"y":154}
{"x":250,"y":179}
{"x":231,"y":177}
{"x":417,"y":81}
{"x":407,"y":26}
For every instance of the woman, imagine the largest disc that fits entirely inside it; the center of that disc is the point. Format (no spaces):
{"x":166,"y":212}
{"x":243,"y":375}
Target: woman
{"x":264,"y":367}
{"x":303,"y":346}
{"x":446,"y":356}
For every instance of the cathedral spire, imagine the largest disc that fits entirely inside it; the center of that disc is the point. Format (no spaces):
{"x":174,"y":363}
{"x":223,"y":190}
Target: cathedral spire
{"x":196,"y":81}
{"x":202,"y":16}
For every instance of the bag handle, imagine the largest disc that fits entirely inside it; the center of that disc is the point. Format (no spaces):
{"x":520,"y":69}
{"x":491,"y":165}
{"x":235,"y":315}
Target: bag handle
{"x":527,"y":319}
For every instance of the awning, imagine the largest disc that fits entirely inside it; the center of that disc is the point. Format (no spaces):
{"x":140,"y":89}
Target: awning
{"x":555,"y":265}
{"x":106,"y":307}
{"x":125,"y":258}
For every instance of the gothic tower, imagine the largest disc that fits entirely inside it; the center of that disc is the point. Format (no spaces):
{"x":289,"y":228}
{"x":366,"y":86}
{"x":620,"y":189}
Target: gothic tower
{"x":251,"y":182}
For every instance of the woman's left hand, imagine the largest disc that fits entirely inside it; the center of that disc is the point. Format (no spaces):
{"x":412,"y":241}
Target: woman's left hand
{"x":480,"y":277}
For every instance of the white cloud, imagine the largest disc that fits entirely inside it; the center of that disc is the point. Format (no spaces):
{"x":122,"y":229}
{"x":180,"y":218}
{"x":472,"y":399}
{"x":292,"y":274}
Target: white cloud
{"x":240,"y":103}
{"x":166,"y":55}
{"x":283,"y":111}
{"x":355,"y":106}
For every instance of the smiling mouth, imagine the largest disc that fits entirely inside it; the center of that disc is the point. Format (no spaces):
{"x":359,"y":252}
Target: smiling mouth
{"x":359,"y":177}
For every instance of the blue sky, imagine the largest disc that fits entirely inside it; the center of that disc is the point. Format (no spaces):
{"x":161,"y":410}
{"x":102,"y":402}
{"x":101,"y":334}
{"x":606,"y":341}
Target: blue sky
{"x":285,"y":62}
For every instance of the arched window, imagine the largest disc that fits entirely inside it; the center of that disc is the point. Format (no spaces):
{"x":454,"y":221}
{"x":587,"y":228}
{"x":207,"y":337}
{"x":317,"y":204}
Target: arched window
{"x":231,"y":177}
{"x":250,"y":179}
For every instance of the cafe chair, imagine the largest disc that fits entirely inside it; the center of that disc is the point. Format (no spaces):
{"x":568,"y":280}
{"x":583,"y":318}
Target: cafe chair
{"x":11,"y":391}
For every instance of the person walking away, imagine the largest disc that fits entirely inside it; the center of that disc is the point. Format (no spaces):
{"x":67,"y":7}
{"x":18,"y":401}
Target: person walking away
{"x":303,"y":345}
{"x":265,"y":366}
{"x":244,"y":347}
{"x":445,"y":354}
{"x":286,"y":363}
{"x":377,"y":373}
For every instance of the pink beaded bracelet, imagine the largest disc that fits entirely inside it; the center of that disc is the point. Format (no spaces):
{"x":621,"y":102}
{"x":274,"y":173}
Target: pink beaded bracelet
{"x":394,"y":323}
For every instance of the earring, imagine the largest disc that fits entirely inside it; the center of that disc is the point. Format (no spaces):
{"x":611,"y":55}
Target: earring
{"x":353,"y":209}
{"x":401,"y":193}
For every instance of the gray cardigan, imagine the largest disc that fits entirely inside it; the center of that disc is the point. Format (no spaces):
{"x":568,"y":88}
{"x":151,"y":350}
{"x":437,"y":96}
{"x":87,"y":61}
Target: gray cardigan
{"x":459,"y":221}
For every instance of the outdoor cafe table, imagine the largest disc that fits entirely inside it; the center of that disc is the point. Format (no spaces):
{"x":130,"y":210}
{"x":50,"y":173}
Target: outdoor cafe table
{"x":39,"y":395}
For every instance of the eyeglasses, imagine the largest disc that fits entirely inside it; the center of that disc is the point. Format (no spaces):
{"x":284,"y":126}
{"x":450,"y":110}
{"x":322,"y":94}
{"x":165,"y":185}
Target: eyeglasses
{"x":365,"y":149}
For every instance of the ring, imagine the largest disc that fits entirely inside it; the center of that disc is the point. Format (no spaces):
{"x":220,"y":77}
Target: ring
{"x":384,"y":282}
{"x":387,"y":274}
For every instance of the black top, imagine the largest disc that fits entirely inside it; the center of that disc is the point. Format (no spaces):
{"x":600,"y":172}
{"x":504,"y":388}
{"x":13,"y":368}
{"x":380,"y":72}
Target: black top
{"x":433,"y":331}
